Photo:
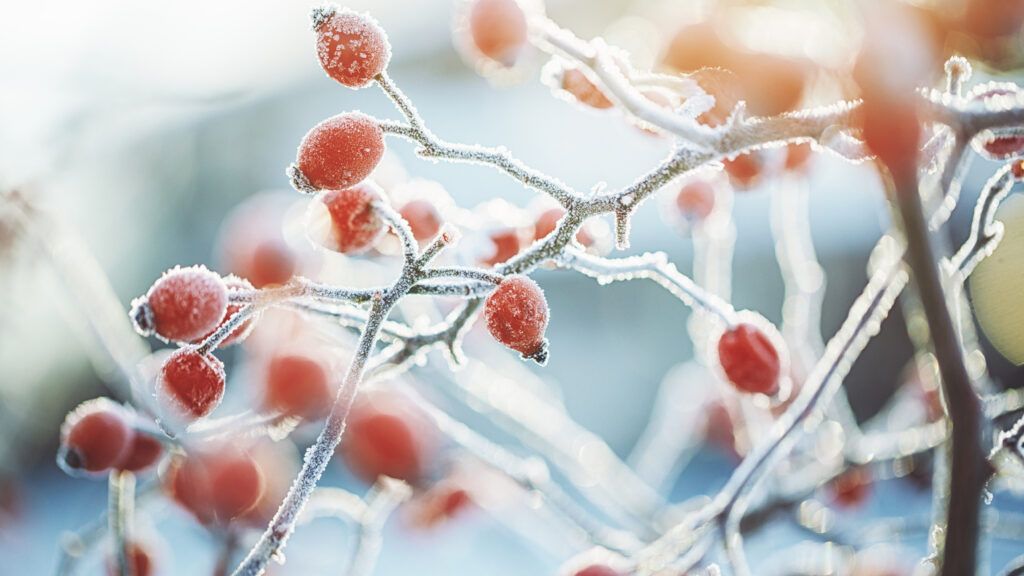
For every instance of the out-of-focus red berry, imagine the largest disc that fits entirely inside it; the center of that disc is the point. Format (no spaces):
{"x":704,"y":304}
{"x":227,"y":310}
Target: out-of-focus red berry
{"x":143,"y":452}
{"x":278,"y":462}
{"x":498,"y":29}
{"x":798,"y":156}
{"x":597,"y":570}
{"x":245,"y":328}
{"x":696,"y":199}
{"x":548,"y":219}
{"x":352,"y":48}
{"x":993,"y":18}
{"x":506,"y":242}
{"x":190,"y":384}
{"x":183,"y":305}
{"x":851,"y":488}
{"x":385,"y":438}
{"x":1017,"y":168}
{"x":439,"y":504}
{"x":744,"y":170}
{"x":216,"y":483}
{"x":719,"y":429}
{"x":139,"y":558}
{"x":297,"y":384}
{"x":516,"y":314}
{"x":339,"y":152}
{"x":576,"y":83}
{"x":95,"y":437}
{"x":749,"y":359}
{"x":723,"y":86}
{"x":423,"y":218}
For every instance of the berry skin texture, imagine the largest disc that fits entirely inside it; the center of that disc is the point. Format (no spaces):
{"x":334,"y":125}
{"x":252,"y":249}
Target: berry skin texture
{"x":243,"y":330}
{"x":139,"y":558}
{"x":95,"y":437}
{"x":216,"y":484}
{"x":338,"y":153}
{"x":345,"y":220}
{"x":297,"y":385}
{"x":517,"y":316}
{"x":423,"y":218}
{"x":498,"y":29}
{"x":143,"y":452}
{"x":749,"y":359}
{"x":190,"y":383}
{"x":575,"y":82}
{"x":182,"y":306}
{"x":385,"y":440}
{"x":352,"y":48}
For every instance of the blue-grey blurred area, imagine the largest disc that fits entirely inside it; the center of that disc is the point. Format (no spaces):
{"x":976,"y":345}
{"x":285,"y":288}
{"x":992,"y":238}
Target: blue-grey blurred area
{"x":141,"y":124}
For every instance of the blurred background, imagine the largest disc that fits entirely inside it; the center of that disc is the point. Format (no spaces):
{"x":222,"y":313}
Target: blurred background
{"x":138,"y":126}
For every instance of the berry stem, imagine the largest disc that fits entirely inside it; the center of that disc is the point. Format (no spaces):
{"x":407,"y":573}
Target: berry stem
{"x":382,"y":499}
{"x":121,"y":503}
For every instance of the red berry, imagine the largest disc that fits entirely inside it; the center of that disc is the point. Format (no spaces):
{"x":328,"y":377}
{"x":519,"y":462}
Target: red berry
{"x":385,"y":439}
{"x":1003,"y":146}
{"x":548,"y":219}
{"x":1018,"y":170}
{"x":744,"y":170}
{"x":143,"y":452}
{"x":576,"y":83}
{"x":441,"y":503}
{"x":216,"y":483}
{"x":598,"y":570}
{"x":696,"y":200}
{"x":95,"y":437}
{"x":273,"y":263}
{"x":851,"y":488}
{"x":506,"y":244}
{"x":251,"y":243}
{"x":723,"y":86}
{"x":498,"y":29}
{"x":183,"y":305}
{"x":352,"y":47}
{"x":297,"y":384}
{"x":345,"y":220}
{"x":517,"y":316}
{"x":719,"y":429}
{"x":190,"y":383}
{"x":798,"y":155}
{"x":423,"y":218}
{"x":749,"y":360}
{"x":245,"y":328}
{"x":139,"y":558}
{"x":339,"y":152}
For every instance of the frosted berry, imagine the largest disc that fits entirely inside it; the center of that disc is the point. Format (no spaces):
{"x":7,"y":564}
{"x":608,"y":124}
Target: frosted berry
{"x":95,"y":437}
{"x":749,"y":360}
{"x":744,"y":170}
{"x":216,"y":483}
{"x":696,"y":200}
{"x":183,"y":305}
{"x":297,"y":384}
{"x":576,"y":83}
{"x":517,"y":316}
{"x":548,"y":219}
{"x":234,"y":283}
{"x":385,"y":440}
{"x":851,"y":488}
{"x":498,"y":29}
{"x":338,"y":153}
{"x":143,"y":452}
{"x":345,"y":220}
{"x":139,"y":558}
{"x":352,"y":48}
{"x":191,"y":384}
{"x":423,"y":218}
